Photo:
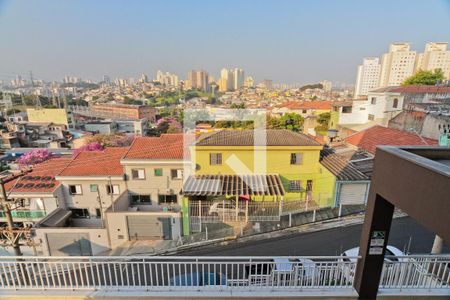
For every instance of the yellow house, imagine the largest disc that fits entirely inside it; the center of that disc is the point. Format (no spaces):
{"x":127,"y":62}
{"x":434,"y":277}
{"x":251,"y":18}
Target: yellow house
{"x":290,"y":158}
{"x":50,"y":115}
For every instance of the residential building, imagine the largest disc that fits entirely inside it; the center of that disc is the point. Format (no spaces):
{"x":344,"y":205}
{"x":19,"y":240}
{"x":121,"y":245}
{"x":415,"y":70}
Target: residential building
{"x":238,"y":78}
{"x":48,"y":115}
{"x":397,"y":65}
{"x":267,"y":84}
{"x":368,"y":76}
{"x":435,"y":56}
{"x":167,"y":79}
{"x":226,"y":80}
{"x":249,"y":82}
{"x":370,"y":138}
{"x":120,"y":111}
{"x":37,"y":194}
{"x":326,"y":85}
{"x":198,"y":80}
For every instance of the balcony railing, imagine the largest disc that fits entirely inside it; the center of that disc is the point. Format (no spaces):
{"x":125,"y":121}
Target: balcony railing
{"x":197,"y":274}
{"x":25,"y":214}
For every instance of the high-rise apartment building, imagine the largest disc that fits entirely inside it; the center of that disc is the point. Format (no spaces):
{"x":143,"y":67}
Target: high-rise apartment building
{"x":368,"y":76}
{"x":397,"y":65}
{"x":435,"y":56}
{"x":226,"y":80}
{"x":238,"y":78}
{"x":167,"y":78}
{"x":326,"y":85}
{"x":249,"y":82}
{"x":198,"y":80}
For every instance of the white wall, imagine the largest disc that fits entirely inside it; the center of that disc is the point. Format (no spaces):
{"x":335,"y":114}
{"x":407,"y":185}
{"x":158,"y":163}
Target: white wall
{"x":117,"y":224}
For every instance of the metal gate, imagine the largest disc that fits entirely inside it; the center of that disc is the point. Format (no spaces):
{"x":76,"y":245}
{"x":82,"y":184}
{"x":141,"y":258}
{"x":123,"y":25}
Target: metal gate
{"x":69,"y":244}
{"x":354,"y":193}
{"x":148,"y":228}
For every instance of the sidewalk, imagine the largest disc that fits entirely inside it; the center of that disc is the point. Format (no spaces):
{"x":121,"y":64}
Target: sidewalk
{"x":172,"y":247}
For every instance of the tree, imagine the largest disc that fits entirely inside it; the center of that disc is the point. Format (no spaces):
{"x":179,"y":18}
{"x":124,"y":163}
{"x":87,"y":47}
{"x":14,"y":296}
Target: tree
{"x":93,"y":146}
{"x":323,"y":120}
{"x":111,"y":140}
{"x":292,"y":121}
{"x":423,"y":77}
{"x":168,"y":125}
{"x":34,"y":157}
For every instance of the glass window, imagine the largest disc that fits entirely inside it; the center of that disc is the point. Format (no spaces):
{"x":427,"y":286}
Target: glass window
{"x":346,"y":109}
{"x":215,"y":158}
{"x":94,"y":188}
{"x":75,"y":189}
{"x":80,"y":213}
{"x":296,"y":158}
{"x":176,"y":174}
{"x":158,"y":172}
{"x":98,"y":212}
{"x":167,"y":199}
{"x":295,"y":185}
{"x":112,"y":189}
{"x":371,"y":117}
{"x":138,"y":174}
{"x":373,"y":100}
{"x":395,"y":103}
{"x":141,"y":199}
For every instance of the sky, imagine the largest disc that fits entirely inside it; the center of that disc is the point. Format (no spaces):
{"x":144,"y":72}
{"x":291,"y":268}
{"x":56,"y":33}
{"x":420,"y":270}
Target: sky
{"x":286,"y":41}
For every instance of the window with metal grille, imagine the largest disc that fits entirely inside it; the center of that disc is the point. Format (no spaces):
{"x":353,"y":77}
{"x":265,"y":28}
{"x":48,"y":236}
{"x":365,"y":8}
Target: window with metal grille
{"x":215,"y":158}
{"x":176,"y":174}
{"x":75,"y":189}
{"x":295,"y":185}
{"x":158,"y":172}
{"x":296,"y":158}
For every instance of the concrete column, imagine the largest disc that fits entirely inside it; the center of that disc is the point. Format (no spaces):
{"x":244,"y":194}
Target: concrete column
{"x":378,"y":221}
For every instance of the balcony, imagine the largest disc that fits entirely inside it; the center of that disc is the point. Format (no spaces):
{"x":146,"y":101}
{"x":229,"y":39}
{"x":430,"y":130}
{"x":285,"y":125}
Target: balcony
{"x":25,"y":214}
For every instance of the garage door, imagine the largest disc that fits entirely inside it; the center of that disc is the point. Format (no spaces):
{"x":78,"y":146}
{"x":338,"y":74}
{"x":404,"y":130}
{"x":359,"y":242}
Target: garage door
{"x":148,"y":227}
{"x":353,"y":193}
{"x":69,"y":244}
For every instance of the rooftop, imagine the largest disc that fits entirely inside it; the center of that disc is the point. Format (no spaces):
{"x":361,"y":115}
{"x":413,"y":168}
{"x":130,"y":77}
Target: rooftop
{"x":167,"y":146}
{"x":246,"y":138}
{"x":370,"y":138}
{"x":41,"y":179}
{"x":342,"y":168}
{"x":96,"y":163}
{"x":321,"y":105}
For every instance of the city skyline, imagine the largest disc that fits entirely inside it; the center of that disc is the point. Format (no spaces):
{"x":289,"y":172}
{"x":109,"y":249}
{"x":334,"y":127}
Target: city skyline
{"x":127,"y":39}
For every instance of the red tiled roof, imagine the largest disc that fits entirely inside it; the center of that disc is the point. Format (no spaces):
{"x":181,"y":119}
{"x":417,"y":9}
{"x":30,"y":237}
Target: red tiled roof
{"x":96,"y":163}
{"x":324,"y":105}
{"x":370,"y":138}
{"x":167,"y":146}
{"x":41,"y":179}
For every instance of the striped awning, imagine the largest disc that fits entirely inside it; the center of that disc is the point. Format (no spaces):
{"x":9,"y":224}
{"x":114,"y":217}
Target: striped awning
{"x":215,"y":185}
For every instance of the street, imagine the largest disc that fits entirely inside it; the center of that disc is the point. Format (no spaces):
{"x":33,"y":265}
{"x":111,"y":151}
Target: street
{"x":327,"y":242}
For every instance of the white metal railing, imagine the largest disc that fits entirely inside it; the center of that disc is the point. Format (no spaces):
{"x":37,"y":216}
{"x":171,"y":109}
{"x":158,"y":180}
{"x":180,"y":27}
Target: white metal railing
{"x":219,"y":273}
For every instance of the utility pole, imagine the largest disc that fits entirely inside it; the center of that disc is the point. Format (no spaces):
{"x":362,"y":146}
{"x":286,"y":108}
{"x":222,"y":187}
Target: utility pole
{"x":11,"y":234}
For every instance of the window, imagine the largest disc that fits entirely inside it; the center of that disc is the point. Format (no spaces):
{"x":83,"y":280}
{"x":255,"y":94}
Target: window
{"x":80,"y":213}
{"x":98,"y":212}
{"x":141,"y":199}
{"x":373,"y":100}
{"x":75,"y":189}
{"x":346,"y":109}
{"x":296,"y":158}
{"x":395,"y":103}
{"x":167,"y":199}
{"x":371,"y":117}
{"x":215,"y":158}
{"x":309,"y":185}
{"x":295,"y":185}
{"x":304,"y":111}
{"x":158,"y":172}
{"x":138,"y":174}
{"x":94,"y":188}
{"x":176,"y":174}
{"x":112,"y":189}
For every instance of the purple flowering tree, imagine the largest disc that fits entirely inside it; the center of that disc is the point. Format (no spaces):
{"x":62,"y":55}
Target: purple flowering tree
{"x":168,"y":125}
{"x":34,"y":157}
{"x":94,"y":146}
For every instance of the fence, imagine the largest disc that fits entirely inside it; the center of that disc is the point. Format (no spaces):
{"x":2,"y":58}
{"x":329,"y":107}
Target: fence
{"x":25,"y":214}
{"x":215,"y":273}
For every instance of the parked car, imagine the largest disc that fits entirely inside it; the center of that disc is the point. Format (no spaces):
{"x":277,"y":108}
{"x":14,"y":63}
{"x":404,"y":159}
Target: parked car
{"x":227,"y":208}
{"x":199,"y":279}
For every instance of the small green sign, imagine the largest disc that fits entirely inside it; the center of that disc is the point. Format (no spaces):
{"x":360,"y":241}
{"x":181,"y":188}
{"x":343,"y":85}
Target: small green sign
{"x":378,"y":234}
